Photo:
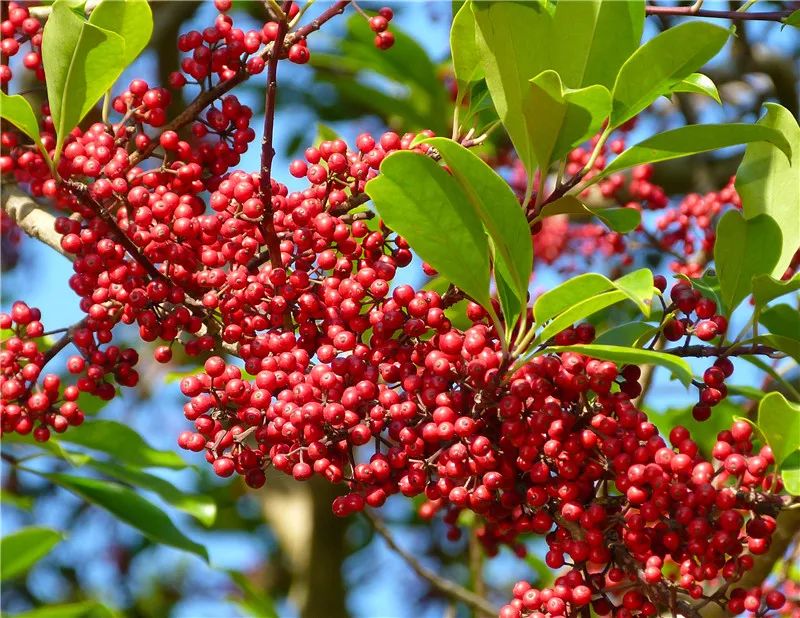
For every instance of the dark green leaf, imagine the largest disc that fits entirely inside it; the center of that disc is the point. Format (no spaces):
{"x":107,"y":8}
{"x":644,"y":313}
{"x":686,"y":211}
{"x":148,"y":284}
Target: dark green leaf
{"x":559,"y":119}
{"x":630,"y":334}
{"x":129,"y":507}
{"x":82,"y":62}
{"x":130,"y":19}
{"x":694,"y":138}
{"x":664,"y":60}
{"x":676,"y":365}
{"x":787,"y":345}
{"x":698,"y":84}
{"x":592,"y":39}
{"x":708,"y":284}
{"x":499,"y":210}
{"x":792,"y":20}
{"x":782,"y":320}
{"x":768,"y":182}
{"x":20,"y":550}
{"x":200,"y":507}
{"x":122,"y":442}
{"x":435,"y":216}
{"x":622,"y":220}
{"x":743,"y":249}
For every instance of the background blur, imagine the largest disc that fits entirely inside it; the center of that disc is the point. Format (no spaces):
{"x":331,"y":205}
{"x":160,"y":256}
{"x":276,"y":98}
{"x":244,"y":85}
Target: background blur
{"x":280,"y":550}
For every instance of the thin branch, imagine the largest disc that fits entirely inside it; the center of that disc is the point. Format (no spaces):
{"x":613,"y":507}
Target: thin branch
{"x":689,"y":11}
{"x":703,"y":351}
{"x":32,"y":218}
{"x":445,"y":586}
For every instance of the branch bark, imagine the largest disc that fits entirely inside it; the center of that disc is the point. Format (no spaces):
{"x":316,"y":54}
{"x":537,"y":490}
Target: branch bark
{"x":32,"y":218}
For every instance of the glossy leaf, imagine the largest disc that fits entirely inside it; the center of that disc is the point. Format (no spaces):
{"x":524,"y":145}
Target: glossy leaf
{"x":792,"y":20}
{"x":744,"y":248}
{"x":558,"y":118}
{"x":19,"y":112}
{"x":514,"y":43}
{"x":81,"y":609}
{"x":466,"y":58}
{"x":436,"y":218}
{"x":676,"y":365}
{"x":779,"y":421}
{"x":567,"y":205}
{"x":130,"y":19}
{"x":788,"y":345}
{"x":592,"y":39}
{"x":20,"y":550}
{"x":498,"y":209}
{"x":568,"y":294}
{"x":692,"y":139}
{"x":579,"y":311}
{"x":622,"y":219}
{"x":782,"y":319}
{"x":629,"y":334}
{"x":201,"y":507}
{"x":638,"y":286}
{"x":124,"y":443}
{"x":129,"y":507}
{"x":664,"y":60}
{"x":790,"y":473}
{"x":768,"y":182}
{"x":698,"y":83}
{"x":766,"y":288}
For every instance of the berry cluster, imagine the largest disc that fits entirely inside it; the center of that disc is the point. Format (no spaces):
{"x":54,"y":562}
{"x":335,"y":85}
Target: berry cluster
{"x":20,"y":31}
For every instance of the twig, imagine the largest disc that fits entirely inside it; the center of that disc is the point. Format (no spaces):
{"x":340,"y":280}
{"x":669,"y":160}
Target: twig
{"x":734,"y":15}
{"x":445,"y":586}
{"x":702,"y":351}
{"x":32,"y":218}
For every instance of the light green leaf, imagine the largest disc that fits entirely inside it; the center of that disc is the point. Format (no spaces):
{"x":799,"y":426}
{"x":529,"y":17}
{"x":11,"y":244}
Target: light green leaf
{"x":676,"y":365}
{"x":782,"y":320}
{"x":768,"y":182}
{"x":129,"y":507}
{"x":622,"y":219}
{"x":638,"y":286}
{"x":692,"y":139}
{"x":790,"y":473}
{"x":787,"y":345}
{"x":629,"y":334}
{"x":82,"y":62}
{"x":766,"y":288}
{"x":514,"y":43}
{"x":19,"y":112}
{"x":256,"y":602}
{"x":578,"y":312}
{"x":81,"y":609}
{"x":559,"y":119}
{"x":20,"y":550}
{"x":698,"y":84}
{"x":567,"y":205}
{"x":119,"y":440}
{"x":779,"y":421}
{"x":436,"y":218}
{"x":664,"y":60}
{"x":568,"y":294}
{"x":792,"y":20}
{"x":130,"y":19}
{"x":466,"y":59}
{"x":592,"y":39}
{"x":201,"y":507}
{"x":498,"y":209}
{"x":743,"y":249}
{"x":17,"y":501}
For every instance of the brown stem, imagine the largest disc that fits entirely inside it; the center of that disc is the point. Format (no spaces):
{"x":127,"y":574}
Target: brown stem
{"x":445,"y":586}
{"x":687,"y":11}
{"x":335,"y":9}
{"x":703,"y":351}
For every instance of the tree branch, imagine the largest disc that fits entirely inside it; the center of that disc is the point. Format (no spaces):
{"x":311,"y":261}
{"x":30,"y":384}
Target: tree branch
{"x":690,"y":11}
{"x":32,"y":218}
{"x":703,"y":351}
{"x":445,"y":586}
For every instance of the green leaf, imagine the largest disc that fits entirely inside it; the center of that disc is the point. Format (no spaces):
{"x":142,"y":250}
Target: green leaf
{"x":743,"y":249}
{"x":698,"y":84}
{"x":514,"y":43}
{"x":561,"y":118}
{"x":436,"y":218}
{"x":592,"y":39}
{"x":201,"y":507}
{"x":92,"y":609}
{"x":790,"y":473}
{"x":129,"y":507}
{"x":787,"y":345}
{"x":692,"y":139}
{"x":767,"y":182}
{"x":19,"y":112}
{"x":664,"y":60}
{"x":255,"y":601}
{"x":792,"y":20}
{"x":704,"y":433}
{"x":567,"y":205}
{"x":568,"y":294}
{"x":466,"y":59}
{"x":325,"y":134}
{"x":125,"y":444}
{"x":622,"y":219}
{"x":578,"y":312}
{"x":629,"y":334}
{"x":766,"y":288}
{"x":676,"y":365}
{"x":82,"y":62}
{"x":779,"y":421}
{"x":638,"y":286}
{"x":17,"y":501}
{"x":20,"y":550}
{"x":130,"y":19}
{"x":708,"y":284}
{"x":495,"y":204}
{"x":782,"y":320}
